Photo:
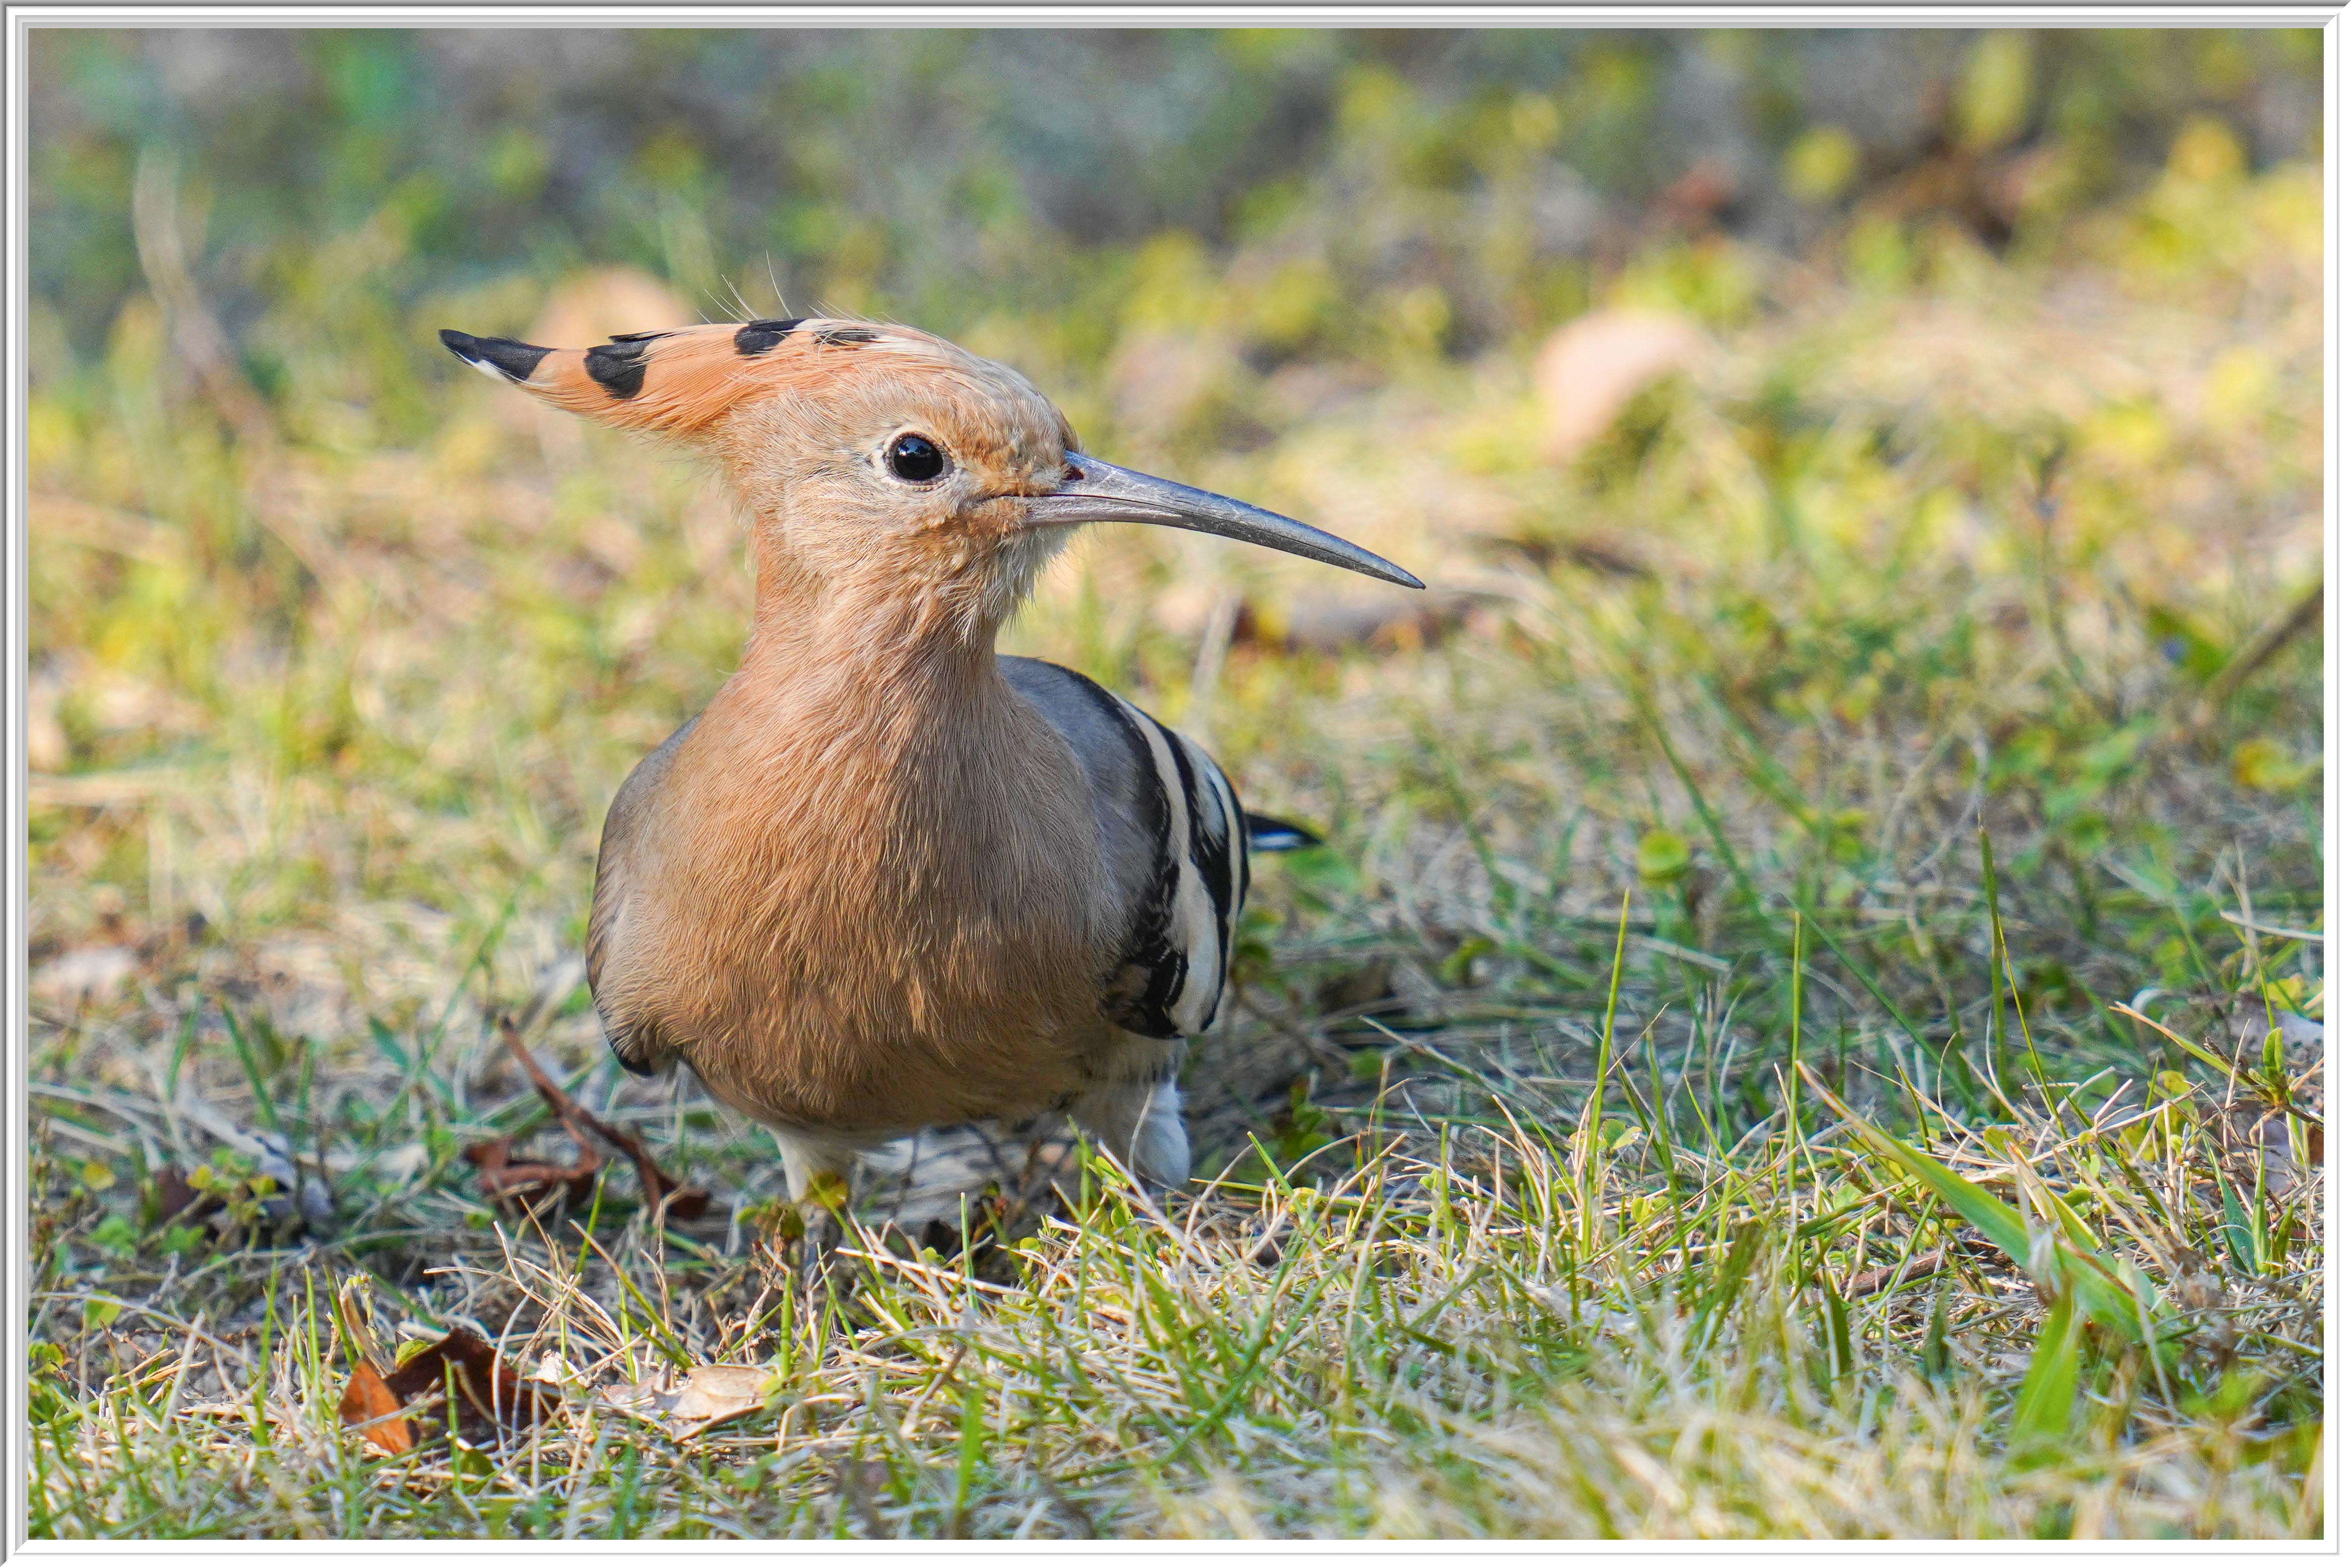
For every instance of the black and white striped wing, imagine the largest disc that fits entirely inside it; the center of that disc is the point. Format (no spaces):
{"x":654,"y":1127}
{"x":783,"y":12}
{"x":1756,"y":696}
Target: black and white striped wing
{"x":1175,"y":842}
{"x":1181,"y":937}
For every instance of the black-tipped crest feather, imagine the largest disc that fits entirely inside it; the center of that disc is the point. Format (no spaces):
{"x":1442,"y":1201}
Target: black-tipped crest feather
{"x":514,"y":360}
{"x":619,"y":366}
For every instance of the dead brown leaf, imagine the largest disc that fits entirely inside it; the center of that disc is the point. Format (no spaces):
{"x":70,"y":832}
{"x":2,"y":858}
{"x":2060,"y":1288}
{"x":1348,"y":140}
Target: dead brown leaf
{"x":531,"y":1182}
{"x":177,"y":1200}
{"x":462,"y":1378}
{"x":489,"y":1399}
{"x":701,"y":1399}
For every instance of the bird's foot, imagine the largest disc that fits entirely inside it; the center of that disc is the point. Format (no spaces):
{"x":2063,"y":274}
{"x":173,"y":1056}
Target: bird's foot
{"x":820,"y":1207}
{"x":820,"y":1258}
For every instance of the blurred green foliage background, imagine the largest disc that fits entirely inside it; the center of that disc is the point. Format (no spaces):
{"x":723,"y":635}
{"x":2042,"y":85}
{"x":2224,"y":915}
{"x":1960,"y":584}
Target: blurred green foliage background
{"x":947,"y":176}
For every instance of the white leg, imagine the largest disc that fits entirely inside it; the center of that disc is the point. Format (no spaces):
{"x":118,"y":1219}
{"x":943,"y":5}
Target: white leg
{"x":812,"y":1162}
{"x":1142,"y":1122}
{"x":816,"y":1175}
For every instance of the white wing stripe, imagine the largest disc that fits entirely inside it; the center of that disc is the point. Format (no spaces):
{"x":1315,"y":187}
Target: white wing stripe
{"x":1193,"y":919}
{"x":1218,"y":798}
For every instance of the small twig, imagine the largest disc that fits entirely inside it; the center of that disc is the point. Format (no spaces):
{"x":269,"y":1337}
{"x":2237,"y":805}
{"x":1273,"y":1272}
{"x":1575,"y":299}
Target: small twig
{"x":2298,"y":619}
{"x":1895,"y":1276}
{"x":662,"y":1192}
{"x":157,"y":1314}
{"x":1216,"y":640}
{"x":2270,"y":930}
{"x":2046,"y":511}
{"x":155,"y":230}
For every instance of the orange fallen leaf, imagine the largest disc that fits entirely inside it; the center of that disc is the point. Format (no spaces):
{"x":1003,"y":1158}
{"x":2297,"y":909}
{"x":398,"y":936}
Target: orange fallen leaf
{"x":370,"y":1405}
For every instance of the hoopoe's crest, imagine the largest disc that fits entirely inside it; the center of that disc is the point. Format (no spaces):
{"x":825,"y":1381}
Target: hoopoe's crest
{"x":687,"y":380}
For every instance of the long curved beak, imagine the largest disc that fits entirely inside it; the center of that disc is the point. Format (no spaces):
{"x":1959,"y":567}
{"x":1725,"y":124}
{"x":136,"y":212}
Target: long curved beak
{"x":1102,"y":492}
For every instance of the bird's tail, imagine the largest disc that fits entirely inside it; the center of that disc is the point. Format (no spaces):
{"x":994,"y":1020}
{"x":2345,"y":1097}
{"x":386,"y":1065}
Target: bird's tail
{"x":1272,"y":835}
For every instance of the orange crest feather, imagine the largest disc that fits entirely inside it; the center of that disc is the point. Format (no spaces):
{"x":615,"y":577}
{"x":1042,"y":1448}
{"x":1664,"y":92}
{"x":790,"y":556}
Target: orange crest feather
{"x":677,"y":382}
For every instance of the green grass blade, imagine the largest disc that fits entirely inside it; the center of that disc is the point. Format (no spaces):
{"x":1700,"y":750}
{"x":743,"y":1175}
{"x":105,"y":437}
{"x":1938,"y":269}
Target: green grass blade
{"x":2096,"y":1278}
{"x":2045,"y":1416}
{"x":261,"y":1095}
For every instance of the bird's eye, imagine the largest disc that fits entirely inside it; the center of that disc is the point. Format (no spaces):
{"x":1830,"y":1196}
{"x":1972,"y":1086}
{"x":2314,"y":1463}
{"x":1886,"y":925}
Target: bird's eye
{"x":916,"y":459}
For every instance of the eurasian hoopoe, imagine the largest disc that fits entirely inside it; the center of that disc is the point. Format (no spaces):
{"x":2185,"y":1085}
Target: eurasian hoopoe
{"x":890,"y":880}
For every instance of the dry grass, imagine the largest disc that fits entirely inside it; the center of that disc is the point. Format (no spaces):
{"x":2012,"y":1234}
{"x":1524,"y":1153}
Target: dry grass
{"x":1686,"y":779}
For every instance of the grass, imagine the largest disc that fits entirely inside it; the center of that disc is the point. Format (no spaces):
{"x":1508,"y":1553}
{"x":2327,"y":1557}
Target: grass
{"x":1686,"y":1098}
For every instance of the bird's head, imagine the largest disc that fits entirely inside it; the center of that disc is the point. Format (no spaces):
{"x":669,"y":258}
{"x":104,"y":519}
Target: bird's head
{"x":882,"y":460}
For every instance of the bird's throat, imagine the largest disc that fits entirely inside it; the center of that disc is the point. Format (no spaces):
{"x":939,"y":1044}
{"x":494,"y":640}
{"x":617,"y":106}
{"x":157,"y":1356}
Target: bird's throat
{"x":873,"y":732}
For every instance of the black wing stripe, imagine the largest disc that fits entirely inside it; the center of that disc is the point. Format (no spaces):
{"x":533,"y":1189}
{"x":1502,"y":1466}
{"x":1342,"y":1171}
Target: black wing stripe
{"x":1212,"y":837}
{"x":1173,"y":770}
{"x":1185,"y":824}
{"x":1149,"y":975}
{"x":1195,"y":848}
